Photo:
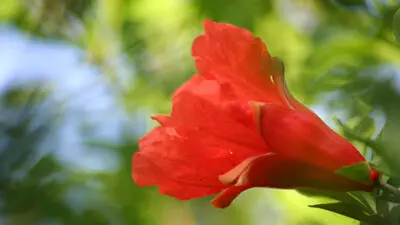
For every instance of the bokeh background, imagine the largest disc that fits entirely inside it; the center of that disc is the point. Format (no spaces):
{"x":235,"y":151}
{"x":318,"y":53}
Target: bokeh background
{"x":79,"y":79}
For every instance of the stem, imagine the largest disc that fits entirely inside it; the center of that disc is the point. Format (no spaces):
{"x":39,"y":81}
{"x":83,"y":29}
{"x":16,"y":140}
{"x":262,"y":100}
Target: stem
{"x":389,"y":188}
{"x":389,"y":194}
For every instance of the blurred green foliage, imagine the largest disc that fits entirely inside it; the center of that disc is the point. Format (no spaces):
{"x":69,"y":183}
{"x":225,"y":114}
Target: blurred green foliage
{"x":341,"y":55}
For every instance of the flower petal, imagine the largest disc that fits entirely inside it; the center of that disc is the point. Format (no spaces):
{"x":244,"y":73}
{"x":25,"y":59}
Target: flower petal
{"x":299,"y":135}
{"x":176,"y":165}
{"x":207,"y":134}
{"x":278,"y":171}
{"x":232,"y":176}
{"x":209,"y":107}
{"x":233,"y":55}
{"x":278,"y":77}
{"x":226,"y":197}
{"x":161,"y":119}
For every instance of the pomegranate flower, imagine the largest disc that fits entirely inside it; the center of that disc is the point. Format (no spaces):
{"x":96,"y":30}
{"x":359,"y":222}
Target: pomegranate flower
{"x":235,"y":126}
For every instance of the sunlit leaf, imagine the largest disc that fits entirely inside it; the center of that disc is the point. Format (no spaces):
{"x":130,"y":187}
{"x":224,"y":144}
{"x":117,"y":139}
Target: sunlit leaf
{"x":363,"y":199}
{"x":339,"y":196}
{"x":365,"y":127}
{"x":349,"y":210}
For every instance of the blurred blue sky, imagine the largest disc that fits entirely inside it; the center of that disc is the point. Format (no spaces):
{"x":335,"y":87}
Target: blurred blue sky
{"x":79,"y":90}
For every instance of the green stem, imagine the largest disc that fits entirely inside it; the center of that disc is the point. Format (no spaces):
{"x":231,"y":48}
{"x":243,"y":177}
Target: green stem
{"x":390,"y":194}
{"x":389,"y":189}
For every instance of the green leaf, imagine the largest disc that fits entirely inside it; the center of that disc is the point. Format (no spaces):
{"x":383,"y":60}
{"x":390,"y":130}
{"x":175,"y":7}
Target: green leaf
{"x":350,"y":210}
{"x":395,"y":215}
{"x":388,"y":141}
{"x":363,"y":199}
{"x":339,"y":196}
{"x":380,"y":166}
{"x":358,"y":172}
{"x":396,"y":25}
{"x":366,"y":199}
{"x":394,"y":181}
{"x":365,"y":127}
{"x":350,"y":134}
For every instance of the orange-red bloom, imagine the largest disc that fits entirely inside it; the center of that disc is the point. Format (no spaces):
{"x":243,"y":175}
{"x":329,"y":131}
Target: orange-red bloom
{"x":235,"y":126}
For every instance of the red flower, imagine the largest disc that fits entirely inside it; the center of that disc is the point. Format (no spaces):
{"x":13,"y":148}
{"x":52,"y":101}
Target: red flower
{"x":235,"y":126}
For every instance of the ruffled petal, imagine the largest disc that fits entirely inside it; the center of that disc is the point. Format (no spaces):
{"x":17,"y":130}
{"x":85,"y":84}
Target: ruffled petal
{"x":176,"y":164}
{"x":233,"y":55}
{"x":213,"y":108}
{"x":207,"y":134}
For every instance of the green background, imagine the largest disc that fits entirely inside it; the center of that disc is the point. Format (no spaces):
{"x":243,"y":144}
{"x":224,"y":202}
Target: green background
{"x":342,"y":60}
